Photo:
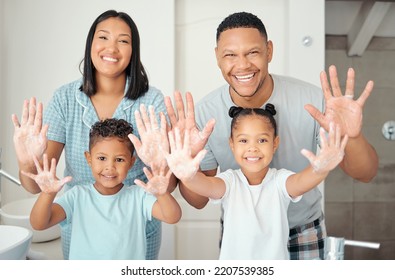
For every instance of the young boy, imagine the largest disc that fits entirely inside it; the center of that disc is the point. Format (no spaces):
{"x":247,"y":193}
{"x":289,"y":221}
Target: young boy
{"x":108,"y":219}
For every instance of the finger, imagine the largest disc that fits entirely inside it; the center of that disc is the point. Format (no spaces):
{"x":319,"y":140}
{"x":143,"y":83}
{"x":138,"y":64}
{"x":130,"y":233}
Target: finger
{"x":325,"y":85}
{"x":178,"y":143}
{"x":190,"y":110}
{"x":144,"y":115}
{"x":45,"y":163}
{"x":139,"y":122}
{"x":324,"y":142}
{"x":44,"y":131}
{"x":147,"y":173}
{"x":336,"y":91}
{"x":332,"y":132}
{"x":163,"y":124}
{"x":153,"y":121}
{"x":140,"y":183}
{"x":199,"y":157}
{"x":317,"y":115}
{"x":309,"y":155}
{"x":172,"y":141}
{"x":170,"y":111}
{"x":38,"y":119}
{"x":350,"y":83}
{"x":32,"y":111}
{"x":168,"y":174}
{"x":135,"y":141}
{"x":337,"y":136}
{"x":207,"y":130}
{"x":186,"y":143}
{"x":30,"y":175}
{"x":365,"y":94}
{"x":179,"y":105}
{"x":25,"y":112}
{"x":15,"y":121}
{"x":37,"y":164}
{"x":344,"y":142}
{"x":53,"y":167}
{"x":65,"y":180}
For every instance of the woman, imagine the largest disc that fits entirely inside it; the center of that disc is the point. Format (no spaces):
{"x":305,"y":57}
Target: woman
{"x":114,"y":85}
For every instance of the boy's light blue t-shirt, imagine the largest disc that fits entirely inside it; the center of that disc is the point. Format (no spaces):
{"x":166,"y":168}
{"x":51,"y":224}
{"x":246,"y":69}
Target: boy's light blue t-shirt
{"x":107,"y":227}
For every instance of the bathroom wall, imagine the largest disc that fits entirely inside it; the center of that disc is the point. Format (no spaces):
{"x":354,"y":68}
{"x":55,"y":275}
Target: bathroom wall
{"x":365,"y":211}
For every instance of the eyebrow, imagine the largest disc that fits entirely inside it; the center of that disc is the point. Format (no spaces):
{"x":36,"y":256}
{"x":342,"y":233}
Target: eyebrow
{"x":122,"y":34}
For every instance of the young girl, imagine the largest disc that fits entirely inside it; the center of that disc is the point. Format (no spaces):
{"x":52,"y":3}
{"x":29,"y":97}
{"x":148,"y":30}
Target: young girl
{"x":255,"y":198}
{"x":107,"y":218}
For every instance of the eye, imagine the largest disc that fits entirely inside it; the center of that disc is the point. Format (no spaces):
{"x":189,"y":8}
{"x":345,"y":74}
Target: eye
{"x":261,"y":141}
{"x":102,"y":37}
{"x":124,"y":42}
{"x":101,"y":158}
{"x":229,"y":55}
{"x":119,"y":160}
{"x":243,"y":141}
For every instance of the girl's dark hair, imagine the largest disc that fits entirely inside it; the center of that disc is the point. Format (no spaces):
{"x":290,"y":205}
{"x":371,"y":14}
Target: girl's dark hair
{"x":135,"y":71}
{"x":108,"y":128}
{"x":241,"y":20}
{"x":238,"y":112}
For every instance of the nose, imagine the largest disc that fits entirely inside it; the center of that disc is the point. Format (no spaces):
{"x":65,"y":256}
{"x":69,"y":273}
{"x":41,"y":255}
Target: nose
{"x":109,"y":165}
{"x":243,"y":61}
{"x":252,"y":148}
{"x":112,"y":45}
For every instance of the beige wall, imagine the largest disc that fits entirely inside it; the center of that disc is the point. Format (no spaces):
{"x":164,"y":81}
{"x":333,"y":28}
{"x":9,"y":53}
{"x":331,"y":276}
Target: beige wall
{"x":361,"y":211}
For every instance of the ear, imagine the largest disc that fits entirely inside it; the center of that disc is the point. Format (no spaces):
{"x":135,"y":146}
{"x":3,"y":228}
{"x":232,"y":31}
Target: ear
{"x":217,"y":56}
{"x":276,"y":143}
{"x":269,"y":47}
{"x":88,"y":158}
{"x":231,"y":144}
{"x":132,"y":161}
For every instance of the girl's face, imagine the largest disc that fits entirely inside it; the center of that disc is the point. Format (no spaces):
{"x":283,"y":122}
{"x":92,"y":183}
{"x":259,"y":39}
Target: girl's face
{"x":111,"y":47}
{"x":110,"y":160}
{"x":253,"y":144}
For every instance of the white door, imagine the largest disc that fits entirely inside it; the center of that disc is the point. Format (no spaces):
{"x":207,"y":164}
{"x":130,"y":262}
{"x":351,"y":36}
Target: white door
{"x":288,"y":24}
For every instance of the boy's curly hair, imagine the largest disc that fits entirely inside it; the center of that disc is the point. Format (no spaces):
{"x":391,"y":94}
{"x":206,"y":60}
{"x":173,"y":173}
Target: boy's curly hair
{"x":111,"y":128}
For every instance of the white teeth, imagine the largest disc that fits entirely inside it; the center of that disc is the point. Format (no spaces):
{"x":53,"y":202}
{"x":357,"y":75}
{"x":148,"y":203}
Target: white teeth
{"x":110,"y":59}
{"x":252,"y":158}
{"x":245,"y":77}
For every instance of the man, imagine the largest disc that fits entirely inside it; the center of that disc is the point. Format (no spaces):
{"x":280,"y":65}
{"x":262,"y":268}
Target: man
{"x":243,"y":54}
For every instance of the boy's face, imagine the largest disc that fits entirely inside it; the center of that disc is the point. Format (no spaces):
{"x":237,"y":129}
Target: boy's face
{"x":253,"y":145}
{"x":110,"y":160}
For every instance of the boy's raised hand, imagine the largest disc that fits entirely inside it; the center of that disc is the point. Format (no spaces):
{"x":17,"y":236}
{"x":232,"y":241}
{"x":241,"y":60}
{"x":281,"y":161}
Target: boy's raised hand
{"x":180,"y":160}
{"x":46,"y":176}
{"x":331,"y":150}
{"x":158,"y":179}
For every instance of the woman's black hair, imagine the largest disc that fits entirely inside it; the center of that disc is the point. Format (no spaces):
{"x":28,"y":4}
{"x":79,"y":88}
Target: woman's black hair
{"x":238,"y":112}
{"x":135,"y":71}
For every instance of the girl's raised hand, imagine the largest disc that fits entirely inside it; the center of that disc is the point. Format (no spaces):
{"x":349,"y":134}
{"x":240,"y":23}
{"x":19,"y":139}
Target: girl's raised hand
{"x":331,"y":150}
{"x":180,"y":160}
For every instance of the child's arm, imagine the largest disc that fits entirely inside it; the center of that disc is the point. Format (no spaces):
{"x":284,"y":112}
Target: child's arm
{"x":186,"y":168}
{"x":45,"y":213}
{"x":331,"y":154}
{"x":166,"y":208}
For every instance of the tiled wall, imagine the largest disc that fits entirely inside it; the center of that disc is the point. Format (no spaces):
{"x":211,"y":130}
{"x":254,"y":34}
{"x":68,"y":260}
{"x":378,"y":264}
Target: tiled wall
{"x":366,"y":211}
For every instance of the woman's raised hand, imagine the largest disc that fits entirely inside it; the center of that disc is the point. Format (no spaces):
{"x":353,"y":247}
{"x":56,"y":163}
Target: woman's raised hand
{"x":154,"y":144}
{"x":30,"y":136}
